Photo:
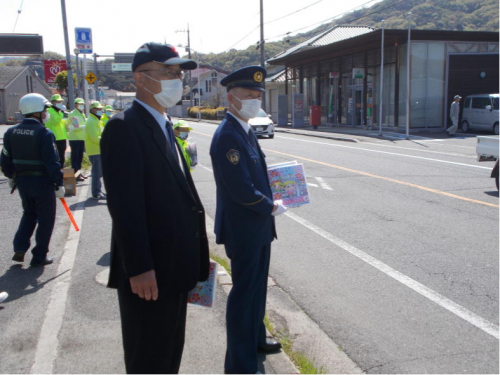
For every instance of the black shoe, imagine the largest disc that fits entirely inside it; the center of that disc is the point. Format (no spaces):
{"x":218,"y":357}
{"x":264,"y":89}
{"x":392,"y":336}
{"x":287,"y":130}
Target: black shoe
{"x":269,"y":346}
{"x":99,"y":196}
{"x":80,"y":178}
{"x":44,"y":262}
{"x":18,"y":256}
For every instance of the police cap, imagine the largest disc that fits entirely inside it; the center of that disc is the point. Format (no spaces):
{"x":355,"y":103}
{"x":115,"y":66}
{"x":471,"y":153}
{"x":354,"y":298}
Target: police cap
{"x":250,"y":77}
{"x":161,"y":53}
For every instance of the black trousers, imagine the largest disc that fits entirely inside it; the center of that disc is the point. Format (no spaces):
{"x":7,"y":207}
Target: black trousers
{"x":77,"y":148}
{"x":39,"y":211}
{"x":61,"y":149}
{"x":153,"y":332}
{"x":246,"y":307}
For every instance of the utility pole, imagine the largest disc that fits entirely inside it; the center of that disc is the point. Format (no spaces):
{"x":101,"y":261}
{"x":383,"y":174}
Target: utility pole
{"x":381,"y":88}
{"x":78,"y":78}
{"x":408,"y":77}
{"x":190,"y":80}
{"x":69,"y":70}
{"x":96,"y":83}
{"x":261,"y":44}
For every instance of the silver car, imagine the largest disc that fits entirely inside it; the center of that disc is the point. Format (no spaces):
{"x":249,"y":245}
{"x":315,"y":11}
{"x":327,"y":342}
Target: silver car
{"x":480,"y":113}
{"x":262,"y":124}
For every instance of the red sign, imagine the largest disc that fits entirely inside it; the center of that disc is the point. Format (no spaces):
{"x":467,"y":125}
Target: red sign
{"x":52,"y":67}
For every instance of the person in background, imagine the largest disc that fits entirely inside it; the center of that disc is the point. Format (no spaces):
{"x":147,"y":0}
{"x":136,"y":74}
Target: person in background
{"x":93,"y":131}
{"x":30,"y":161}
{"x":181,"y":131}
{"x":76,"y":123}
{"x":108,"y":112}
{"x":57,"y":125}
{"x":454,"y":115}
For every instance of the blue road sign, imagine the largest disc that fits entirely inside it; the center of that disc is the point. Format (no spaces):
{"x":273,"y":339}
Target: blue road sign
{"x":83,"y":39}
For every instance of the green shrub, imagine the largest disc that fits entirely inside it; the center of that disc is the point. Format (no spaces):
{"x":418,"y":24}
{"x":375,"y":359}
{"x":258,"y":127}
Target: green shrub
{"x":207,"y":113}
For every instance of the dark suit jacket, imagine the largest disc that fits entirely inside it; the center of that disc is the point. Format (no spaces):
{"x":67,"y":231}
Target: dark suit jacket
{"x":158,"y":218}
{"x":244,"y":198}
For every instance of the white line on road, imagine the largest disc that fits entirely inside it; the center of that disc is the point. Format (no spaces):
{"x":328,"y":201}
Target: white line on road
{"x":48,"y":343}
{"x":205,"y":167}
{"x":311,"y":184}
{"x":388,"y":153}
{"x":323,"y":184}
{"x":435,"y":297}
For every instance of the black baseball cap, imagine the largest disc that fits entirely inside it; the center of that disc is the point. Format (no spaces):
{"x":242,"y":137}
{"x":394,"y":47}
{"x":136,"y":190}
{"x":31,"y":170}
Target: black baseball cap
{"x":161,"y":53}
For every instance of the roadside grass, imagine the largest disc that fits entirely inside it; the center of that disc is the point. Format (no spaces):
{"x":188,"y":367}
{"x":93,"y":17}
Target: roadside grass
{"x":86,"y":165}
{"x":303,"y":364}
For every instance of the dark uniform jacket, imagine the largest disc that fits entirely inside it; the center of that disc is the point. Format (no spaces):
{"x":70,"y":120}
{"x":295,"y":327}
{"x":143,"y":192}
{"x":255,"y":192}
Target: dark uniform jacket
{"x":29,"y":149}
{"x":244,"y":198}
{"x":158,"y":219}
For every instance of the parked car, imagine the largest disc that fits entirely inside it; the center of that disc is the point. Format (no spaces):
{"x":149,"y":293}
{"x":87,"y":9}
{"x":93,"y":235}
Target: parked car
{"x":262,"y":124}
{"x":480,"y":112}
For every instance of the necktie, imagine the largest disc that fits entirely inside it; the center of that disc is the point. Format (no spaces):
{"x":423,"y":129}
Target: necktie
{"x":252,"y":138}
{"x":171,"y":139}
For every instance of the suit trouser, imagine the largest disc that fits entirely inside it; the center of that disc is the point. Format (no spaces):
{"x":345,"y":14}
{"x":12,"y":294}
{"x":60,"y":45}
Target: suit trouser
{"x":153,"y":332}
{"x":246,"y":307}
{"x":39,"y":207}
{"x":453,"y":129}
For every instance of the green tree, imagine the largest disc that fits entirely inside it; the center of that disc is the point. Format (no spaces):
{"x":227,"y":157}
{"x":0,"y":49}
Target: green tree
{"x":61,"y":81}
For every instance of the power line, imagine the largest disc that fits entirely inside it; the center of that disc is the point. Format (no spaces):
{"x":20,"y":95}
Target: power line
{"x":18,"y":13}
{"x":329,"y":19}
{"x":297,"y":11}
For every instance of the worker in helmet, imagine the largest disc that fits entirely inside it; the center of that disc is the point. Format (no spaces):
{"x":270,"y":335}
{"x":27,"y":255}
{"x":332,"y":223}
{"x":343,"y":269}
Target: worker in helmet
{"x":76,"y":123}
{"x":57,"y":125}
{"x":30,"y":161}
{"x":108,"y":112}
{"x":181,"y":132}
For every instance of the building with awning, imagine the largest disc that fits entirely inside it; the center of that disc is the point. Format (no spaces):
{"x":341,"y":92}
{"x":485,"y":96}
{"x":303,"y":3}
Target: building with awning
{"x":339,"y":70}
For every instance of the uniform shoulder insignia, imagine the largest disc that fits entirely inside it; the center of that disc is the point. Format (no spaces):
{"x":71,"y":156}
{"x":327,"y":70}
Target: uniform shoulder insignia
{"x":233,"y":156}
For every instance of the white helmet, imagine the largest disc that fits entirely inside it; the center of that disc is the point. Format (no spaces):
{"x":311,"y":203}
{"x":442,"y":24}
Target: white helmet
{"x":33,"y":103}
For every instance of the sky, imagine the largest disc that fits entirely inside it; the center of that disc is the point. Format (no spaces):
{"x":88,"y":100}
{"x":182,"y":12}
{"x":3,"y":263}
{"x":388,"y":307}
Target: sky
{"x":124,"y":25}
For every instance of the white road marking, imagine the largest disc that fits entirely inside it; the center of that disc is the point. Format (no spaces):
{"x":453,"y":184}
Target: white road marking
{"x":310,"y":184}
{"x":460,"y":311}
{"x":323,"y":184}
{"x":48,"y":342}
{"x":205,"y":167}
{"x":389,"y":153}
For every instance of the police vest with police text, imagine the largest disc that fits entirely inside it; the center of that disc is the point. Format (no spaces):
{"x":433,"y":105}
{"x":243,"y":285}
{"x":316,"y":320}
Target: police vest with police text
{"x":25,"y":148}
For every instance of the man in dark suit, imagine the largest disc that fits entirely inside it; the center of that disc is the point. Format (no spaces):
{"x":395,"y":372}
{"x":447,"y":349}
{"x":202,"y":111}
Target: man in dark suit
{"x":244,"y":220}
{"x":159,"y":247}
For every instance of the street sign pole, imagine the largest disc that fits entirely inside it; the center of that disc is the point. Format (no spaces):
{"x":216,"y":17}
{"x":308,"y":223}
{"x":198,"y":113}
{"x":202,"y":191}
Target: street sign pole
{"x":71,"y":86}
{"x":85,"y":86}
{"x":96,"y":83}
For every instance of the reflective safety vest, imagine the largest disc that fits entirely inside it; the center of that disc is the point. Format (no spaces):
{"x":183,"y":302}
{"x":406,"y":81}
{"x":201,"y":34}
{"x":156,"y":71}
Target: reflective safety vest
{"x":93,"y":131}
{"x":184,"y":145}
{"x":56,"y":124}
{"x":26,"y":147}
{"x":104,"y":119}
{"x":76,"y":117}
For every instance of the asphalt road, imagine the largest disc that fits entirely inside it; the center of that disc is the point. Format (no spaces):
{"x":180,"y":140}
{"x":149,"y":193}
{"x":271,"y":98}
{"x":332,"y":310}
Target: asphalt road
{"x":396,"y":258}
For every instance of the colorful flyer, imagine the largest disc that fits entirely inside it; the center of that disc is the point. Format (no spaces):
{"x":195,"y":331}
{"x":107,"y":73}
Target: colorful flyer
{"x":203,"y":293}
{"x":288,"y":183}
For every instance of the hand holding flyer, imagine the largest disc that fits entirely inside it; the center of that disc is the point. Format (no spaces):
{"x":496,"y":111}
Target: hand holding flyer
{"x":288,"y":183}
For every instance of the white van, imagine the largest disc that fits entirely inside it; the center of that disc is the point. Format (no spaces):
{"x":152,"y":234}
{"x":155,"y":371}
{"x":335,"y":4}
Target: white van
{"x":480,"y":112}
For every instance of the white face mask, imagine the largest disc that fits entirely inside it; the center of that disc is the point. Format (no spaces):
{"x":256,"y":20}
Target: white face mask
{"x":170,"y":94}
{"x":249,"y":107}
{"x":99,"y":113}
{"x":109,"y":114}
{"x":183,"y":135}
{"x":59,"y":105}
{"x":81,"y":107}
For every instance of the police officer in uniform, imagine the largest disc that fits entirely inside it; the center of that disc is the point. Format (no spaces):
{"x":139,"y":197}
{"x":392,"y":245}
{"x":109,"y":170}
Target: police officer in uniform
{"x":244,"y":220}
{"x":30,"y":160}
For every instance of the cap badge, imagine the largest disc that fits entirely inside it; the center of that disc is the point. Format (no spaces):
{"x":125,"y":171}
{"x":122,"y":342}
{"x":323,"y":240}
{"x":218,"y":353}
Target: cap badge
{"x":233,"y":156}
{"x":258,"y":77}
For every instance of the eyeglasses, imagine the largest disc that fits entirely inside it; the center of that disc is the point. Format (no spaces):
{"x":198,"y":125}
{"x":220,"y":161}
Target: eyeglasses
{"x":172,"y":74}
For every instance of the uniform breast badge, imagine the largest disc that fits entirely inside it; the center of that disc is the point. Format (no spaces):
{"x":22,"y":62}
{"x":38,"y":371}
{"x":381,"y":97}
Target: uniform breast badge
{"x":233,"y":156}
